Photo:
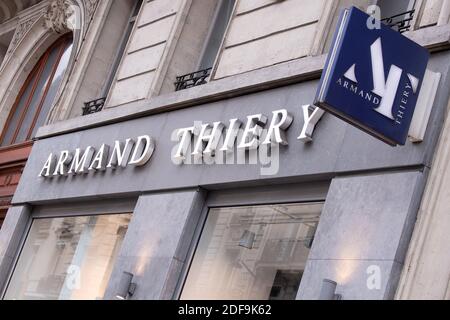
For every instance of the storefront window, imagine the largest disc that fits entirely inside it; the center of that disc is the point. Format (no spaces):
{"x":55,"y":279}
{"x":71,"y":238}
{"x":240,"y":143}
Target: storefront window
{"x":255,"y":253}
{"x":68,"y":258}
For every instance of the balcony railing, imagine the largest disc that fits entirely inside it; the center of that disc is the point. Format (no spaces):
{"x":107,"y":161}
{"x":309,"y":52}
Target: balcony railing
{"x":400,"y":22}
{"x":93,"y":106}
{"x":192,"y":79}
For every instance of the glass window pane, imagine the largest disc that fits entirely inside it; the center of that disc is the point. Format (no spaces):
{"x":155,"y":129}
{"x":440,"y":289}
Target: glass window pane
{"x":257,"y":252}
{"x":68,"y":258}
{"x":33,"y":106}
{"x":217,"y":33}
{"x":37,"y":96}
{"x":54,"y":87}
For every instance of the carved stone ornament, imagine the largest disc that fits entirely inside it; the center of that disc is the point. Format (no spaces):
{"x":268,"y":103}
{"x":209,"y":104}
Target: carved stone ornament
{"x":90,"y":6}
{"x":57,"y":15}
{"x":22,"y":29}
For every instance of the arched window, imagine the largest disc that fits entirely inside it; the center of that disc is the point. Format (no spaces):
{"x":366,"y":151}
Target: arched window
{"x":37,"y":94}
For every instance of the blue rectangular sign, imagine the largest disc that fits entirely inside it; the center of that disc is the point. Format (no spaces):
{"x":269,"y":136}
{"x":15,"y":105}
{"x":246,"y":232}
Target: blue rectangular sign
{"x":372,"y":77}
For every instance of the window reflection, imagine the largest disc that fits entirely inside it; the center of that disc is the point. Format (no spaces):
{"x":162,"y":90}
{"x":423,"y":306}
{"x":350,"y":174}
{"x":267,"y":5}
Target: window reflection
{"x":38,"y":93}
{"x":252,"y":252}
{"x":56,"y":80}
{"x":68,"y":258}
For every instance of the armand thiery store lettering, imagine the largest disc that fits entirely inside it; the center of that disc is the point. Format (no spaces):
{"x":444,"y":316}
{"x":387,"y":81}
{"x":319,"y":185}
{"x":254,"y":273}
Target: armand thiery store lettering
{"x":209,"y":139}
{"x":136,"y":152}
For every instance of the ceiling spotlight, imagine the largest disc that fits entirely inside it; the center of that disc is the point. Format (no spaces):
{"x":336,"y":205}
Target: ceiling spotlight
{"x":328,"y":290}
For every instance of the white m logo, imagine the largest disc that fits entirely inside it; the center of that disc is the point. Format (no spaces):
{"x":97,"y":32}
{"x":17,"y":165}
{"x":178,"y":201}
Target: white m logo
{"x":386,"y":89}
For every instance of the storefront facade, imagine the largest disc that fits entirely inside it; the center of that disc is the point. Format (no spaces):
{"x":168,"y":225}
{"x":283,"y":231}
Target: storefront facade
{"x":370,"y":194}
{"x":115,"y":198}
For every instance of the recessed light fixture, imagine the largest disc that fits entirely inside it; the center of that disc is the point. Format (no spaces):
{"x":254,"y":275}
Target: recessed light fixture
{"x":328,"y":290}
{"x":126,"y":287}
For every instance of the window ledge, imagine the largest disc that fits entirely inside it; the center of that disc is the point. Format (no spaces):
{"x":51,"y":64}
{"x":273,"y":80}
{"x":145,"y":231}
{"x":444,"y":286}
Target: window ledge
{"x":435,"y":38}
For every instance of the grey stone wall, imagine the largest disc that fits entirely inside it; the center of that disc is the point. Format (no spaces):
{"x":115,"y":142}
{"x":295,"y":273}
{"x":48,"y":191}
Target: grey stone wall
{"x":156,"y":244}
{"x":11,"y":235}
{"x":363,"y":235}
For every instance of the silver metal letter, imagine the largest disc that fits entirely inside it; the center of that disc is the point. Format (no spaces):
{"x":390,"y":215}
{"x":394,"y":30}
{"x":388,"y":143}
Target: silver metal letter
{"x":210,"y":137}
{"x":49,"y":166}
{"x":232,"y":133}
{"x":281,"y":121}
{"x":64,"y":160}
{"x":143,"y":151}
{"x":81,"y":165}
{"x":100,"y":159}
{"x":120,"y":154}
{"x":310,"y":122}
{"x":186,"y":135}
{"x":252,"y":131}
